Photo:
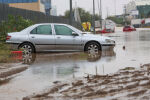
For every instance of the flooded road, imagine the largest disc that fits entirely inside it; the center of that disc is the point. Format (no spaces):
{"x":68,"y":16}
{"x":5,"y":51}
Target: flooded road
{"x":132,"y":50}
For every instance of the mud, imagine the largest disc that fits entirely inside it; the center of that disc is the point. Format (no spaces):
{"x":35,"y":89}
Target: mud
{"x":127,"y":84}
{"x":131,"y":51}
{"x":9,"y":70}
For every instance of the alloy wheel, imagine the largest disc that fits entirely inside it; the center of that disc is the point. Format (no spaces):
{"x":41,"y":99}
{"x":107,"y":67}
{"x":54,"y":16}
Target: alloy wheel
{"x":93,"y":49}
{"x":27,"y":49}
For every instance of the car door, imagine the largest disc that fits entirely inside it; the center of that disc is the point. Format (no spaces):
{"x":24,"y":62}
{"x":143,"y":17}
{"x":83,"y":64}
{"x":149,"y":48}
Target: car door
{"x":65,"y":39}
{"x":43,"y":38}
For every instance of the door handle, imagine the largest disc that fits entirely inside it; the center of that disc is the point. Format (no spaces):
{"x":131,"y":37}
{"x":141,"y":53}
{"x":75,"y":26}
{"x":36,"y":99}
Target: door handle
{"x":32,"y":37}
{"x":58,"y":37}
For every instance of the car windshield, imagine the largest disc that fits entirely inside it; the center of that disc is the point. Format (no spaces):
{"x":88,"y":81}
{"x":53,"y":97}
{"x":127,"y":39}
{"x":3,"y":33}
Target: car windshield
{"x":127,"y":26}
{"x":77,"y":30}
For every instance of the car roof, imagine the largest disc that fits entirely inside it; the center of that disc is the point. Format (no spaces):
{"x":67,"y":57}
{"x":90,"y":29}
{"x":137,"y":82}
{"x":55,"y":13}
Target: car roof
{"x":51,"y":23}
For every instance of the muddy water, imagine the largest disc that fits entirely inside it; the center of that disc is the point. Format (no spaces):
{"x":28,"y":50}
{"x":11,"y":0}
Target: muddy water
{"x":132,"y":50}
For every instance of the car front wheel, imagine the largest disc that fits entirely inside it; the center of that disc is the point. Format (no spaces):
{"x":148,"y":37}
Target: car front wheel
{"x":93,"y":47}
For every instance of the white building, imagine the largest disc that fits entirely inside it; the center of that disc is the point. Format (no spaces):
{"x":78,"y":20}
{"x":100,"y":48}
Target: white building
{"x":54,"y":11}
{"x":131,"y":7}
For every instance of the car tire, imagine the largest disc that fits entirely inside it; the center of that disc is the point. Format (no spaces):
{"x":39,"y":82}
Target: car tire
{"x":29,"y":58}
{"x":92,"y":47}
{"x":27,"y":48}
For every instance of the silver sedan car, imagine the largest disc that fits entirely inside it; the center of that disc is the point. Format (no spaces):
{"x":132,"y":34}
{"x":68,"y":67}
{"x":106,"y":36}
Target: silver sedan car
{"x":57,"y":37}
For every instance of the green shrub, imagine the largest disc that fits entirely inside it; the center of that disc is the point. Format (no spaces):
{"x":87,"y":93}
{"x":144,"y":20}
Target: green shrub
{"x":4,"y":53}
{"x":13,"y":24}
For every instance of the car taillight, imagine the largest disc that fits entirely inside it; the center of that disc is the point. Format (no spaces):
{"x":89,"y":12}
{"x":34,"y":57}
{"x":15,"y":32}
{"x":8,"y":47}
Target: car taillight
{"x":8,"y":37}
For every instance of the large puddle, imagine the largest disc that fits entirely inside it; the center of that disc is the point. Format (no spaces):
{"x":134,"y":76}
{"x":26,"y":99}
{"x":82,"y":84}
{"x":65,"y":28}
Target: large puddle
{"x":132,"y":50}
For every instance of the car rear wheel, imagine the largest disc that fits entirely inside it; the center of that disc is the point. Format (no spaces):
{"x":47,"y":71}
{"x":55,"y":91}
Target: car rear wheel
{"x":93,"y":48}
{"x":29,"y":58}
{"x":27,"y":48}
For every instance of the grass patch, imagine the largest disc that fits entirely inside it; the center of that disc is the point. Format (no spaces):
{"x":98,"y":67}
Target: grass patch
{"x":4,"y":53}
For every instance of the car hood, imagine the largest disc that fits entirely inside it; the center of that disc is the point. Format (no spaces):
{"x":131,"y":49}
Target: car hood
{"x":90,"y":35}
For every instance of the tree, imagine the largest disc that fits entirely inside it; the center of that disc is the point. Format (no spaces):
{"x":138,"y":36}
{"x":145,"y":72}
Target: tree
{"x":116,"y":20}
{"x":84,"y":15}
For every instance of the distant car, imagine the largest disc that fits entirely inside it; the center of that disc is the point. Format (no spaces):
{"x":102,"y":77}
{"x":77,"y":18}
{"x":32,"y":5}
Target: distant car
{"x":57,"y":37}
{"x":129,"y":29}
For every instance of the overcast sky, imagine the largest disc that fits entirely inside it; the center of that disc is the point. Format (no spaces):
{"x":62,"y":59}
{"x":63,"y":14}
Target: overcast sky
{"x":108,"y":6}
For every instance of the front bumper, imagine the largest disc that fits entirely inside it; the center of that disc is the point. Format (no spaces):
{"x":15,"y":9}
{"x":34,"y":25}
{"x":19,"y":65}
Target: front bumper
{"x":108,"y":46}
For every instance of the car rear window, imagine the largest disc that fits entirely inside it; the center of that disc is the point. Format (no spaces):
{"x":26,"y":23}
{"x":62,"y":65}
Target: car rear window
{"x":42,"y":29}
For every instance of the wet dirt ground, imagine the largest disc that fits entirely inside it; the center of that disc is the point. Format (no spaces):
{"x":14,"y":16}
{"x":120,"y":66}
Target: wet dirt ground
{"x":132,"y":50}
{"x":127,"y":84}
{"x":9,"y":70}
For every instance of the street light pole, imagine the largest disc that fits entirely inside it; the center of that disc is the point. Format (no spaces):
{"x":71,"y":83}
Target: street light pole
{"x":94,"y":16}
{"x":101,"y":13}
{"x":115,"y":7}
{"x":125,"y":7}
{"x":71,"y":13}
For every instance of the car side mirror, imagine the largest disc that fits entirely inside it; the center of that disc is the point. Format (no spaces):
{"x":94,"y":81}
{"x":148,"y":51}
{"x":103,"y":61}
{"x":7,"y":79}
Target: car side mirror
{"x":75,"y":34}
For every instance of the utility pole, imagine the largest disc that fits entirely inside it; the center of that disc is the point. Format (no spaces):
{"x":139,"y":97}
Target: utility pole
{"x":101,"y":13}
{"x":115,"y":7}
{"x":94,"y":16}
{"x":125,"y":7}
{"x":107,"y":12}
{"x":71,"y":13}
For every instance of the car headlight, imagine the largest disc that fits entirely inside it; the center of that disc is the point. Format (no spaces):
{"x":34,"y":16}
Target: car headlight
{"x":110,"y":41}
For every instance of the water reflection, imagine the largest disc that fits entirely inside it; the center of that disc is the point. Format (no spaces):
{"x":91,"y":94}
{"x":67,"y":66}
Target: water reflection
{"x":90,"y":57}
{"x":144,"y":36}
{"x":28,"y":58}
{"x":45,"y":68}
{"x":60,"y":65}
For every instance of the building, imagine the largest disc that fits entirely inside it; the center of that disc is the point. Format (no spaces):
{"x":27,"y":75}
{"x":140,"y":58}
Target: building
{"x":34,"y":5}
{"x":54,"y":11}
{"x":138,"y":9}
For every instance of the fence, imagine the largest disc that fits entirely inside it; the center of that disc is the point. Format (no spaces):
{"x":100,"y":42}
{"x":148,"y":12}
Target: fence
{"x":36,"y":17}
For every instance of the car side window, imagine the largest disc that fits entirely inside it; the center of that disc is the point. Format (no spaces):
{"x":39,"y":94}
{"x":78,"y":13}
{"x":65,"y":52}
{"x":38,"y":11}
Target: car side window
{"x":62,"y":30}
{"x":42,"y":29}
